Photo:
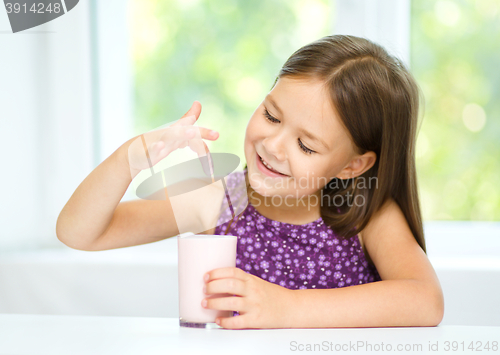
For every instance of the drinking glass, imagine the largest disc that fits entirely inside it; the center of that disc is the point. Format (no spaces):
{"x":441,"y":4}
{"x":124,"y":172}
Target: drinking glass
{"x":199,"y":254}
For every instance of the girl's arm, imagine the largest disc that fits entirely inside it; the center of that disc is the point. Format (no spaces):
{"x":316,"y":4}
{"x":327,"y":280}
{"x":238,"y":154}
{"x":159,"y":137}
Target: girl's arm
{"x":94,"y":218}
{"x":409,"y":295}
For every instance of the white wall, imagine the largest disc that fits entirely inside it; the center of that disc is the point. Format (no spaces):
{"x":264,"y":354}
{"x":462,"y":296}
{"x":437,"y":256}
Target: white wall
{"x":45,"y":126}
{"x":58,"y":121}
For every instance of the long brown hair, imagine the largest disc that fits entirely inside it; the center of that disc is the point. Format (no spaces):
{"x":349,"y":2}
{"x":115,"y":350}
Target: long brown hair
{"x":377,"y":100}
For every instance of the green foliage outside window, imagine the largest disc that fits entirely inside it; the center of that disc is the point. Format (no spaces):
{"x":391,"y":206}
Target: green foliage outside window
{"x":454,"y":57}
{"x":227,"y":53}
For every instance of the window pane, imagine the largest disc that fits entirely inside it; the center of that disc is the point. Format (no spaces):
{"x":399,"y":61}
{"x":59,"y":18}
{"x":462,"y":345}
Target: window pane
{"x":225,"y":54}
{"x":454,"y":47}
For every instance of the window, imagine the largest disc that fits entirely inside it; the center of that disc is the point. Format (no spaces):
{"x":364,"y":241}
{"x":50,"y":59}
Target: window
{"x":454,"y":57}
{"x":113,"y":69}
{"x":225,"y":54}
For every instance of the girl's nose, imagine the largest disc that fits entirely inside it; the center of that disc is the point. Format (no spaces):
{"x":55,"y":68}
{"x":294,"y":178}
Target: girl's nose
{"x":274,"y":147}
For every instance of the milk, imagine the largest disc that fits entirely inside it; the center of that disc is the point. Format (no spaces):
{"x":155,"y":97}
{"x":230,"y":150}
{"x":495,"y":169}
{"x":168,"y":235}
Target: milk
{"x":199,"y":254}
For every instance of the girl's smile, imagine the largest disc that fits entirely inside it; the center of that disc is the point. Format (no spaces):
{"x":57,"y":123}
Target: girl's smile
{"x":294,"y":136}
{"x":267,"y":169}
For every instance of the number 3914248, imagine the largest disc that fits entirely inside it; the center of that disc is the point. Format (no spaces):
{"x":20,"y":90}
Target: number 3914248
{"x":39,"y":8}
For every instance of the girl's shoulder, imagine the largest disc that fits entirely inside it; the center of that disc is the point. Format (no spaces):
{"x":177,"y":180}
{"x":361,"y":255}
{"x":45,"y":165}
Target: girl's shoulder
{"x":370,"y":229}
{"x":378,"y":221}
{"x":387,"y":238}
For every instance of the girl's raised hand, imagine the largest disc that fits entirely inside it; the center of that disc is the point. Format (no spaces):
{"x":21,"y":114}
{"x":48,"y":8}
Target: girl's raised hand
{"x":147,"y":149}
{"x":261,"y":304}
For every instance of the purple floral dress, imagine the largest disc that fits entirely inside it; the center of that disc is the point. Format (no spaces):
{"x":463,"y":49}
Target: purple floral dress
{"x":308,"y":256}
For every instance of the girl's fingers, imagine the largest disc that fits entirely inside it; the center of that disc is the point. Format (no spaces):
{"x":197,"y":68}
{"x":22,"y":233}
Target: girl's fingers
{"x":191,"y":116}
{"x":226,"y":272}
{"x":237,"y":322}
{"x":195,"y":137}
{"x":187,"y":121}
{"x":200,"y":148}
{"x":206,"y":133}
{"x":182,"y":130}
{"x":229,"y":303}
{"x":230,"y":286}
{"x":212,"y":135}
{"x":189,"y":132}
{"x":195,"y":110}
{"x":180,"y":136}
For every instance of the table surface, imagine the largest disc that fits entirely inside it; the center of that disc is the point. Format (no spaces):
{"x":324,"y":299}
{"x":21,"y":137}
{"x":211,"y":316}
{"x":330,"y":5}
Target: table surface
{"x":48,"y":334}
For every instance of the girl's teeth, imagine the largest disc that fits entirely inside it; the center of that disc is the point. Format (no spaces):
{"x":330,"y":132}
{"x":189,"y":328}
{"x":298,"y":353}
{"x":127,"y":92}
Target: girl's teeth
{"x":268,"y":166}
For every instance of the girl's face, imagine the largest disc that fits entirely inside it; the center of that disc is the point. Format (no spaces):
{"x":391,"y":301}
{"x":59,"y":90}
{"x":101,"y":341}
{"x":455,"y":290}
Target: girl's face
{"x":297,"y":133}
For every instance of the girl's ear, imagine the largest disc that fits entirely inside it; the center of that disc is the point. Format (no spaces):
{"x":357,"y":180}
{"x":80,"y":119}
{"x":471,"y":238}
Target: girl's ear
{"x":358,"y":165}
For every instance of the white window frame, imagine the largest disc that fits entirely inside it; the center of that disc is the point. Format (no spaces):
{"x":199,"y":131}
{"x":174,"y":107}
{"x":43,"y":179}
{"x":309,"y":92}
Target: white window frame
{"x":386,"y":22}
{"x":113,"y":84}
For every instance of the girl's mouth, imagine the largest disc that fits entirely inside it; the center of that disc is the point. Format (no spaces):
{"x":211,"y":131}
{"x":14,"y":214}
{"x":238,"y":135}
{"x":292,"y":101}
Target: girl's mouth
{"x":267,"y":169}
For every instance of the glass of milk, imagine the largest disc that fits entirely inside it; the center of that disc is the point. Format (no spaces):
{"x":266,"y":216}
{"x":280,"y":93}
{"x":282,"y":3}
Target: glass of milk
{"x":199,"y":254}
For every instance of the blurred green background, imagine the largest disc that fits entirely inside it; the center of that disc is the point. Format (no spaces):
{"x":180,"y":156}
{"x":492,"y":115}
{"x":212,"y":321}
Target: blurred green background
{"x":227,"y":53}
{"x":455,"y":59}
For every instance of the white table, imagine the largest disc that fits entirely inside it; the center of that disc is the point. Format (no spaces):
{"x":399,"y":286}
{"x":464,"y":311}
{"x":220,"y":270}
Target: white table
{"x":74,"y":335}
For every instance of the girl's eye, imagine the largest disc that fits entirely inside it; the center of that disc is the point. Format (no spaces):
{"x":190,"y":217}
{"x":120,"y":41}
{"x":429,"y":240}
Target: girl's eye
{"x":269,"y":117}
{"x":305,"y":149}
{"x":301,"y":145}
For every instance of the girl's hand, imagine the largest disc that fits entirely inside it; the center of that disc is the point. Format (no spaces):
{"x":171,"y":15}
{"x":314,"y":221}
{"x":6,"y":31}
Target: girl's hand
{"x":261,"y":304}
{"x":149,"y":148}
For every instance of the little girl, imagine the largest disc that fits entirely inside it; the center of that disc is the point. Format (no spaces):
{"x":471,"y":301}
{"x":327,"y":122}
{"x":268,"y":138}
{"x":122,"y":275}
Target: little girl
{"x":332,"y":235}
